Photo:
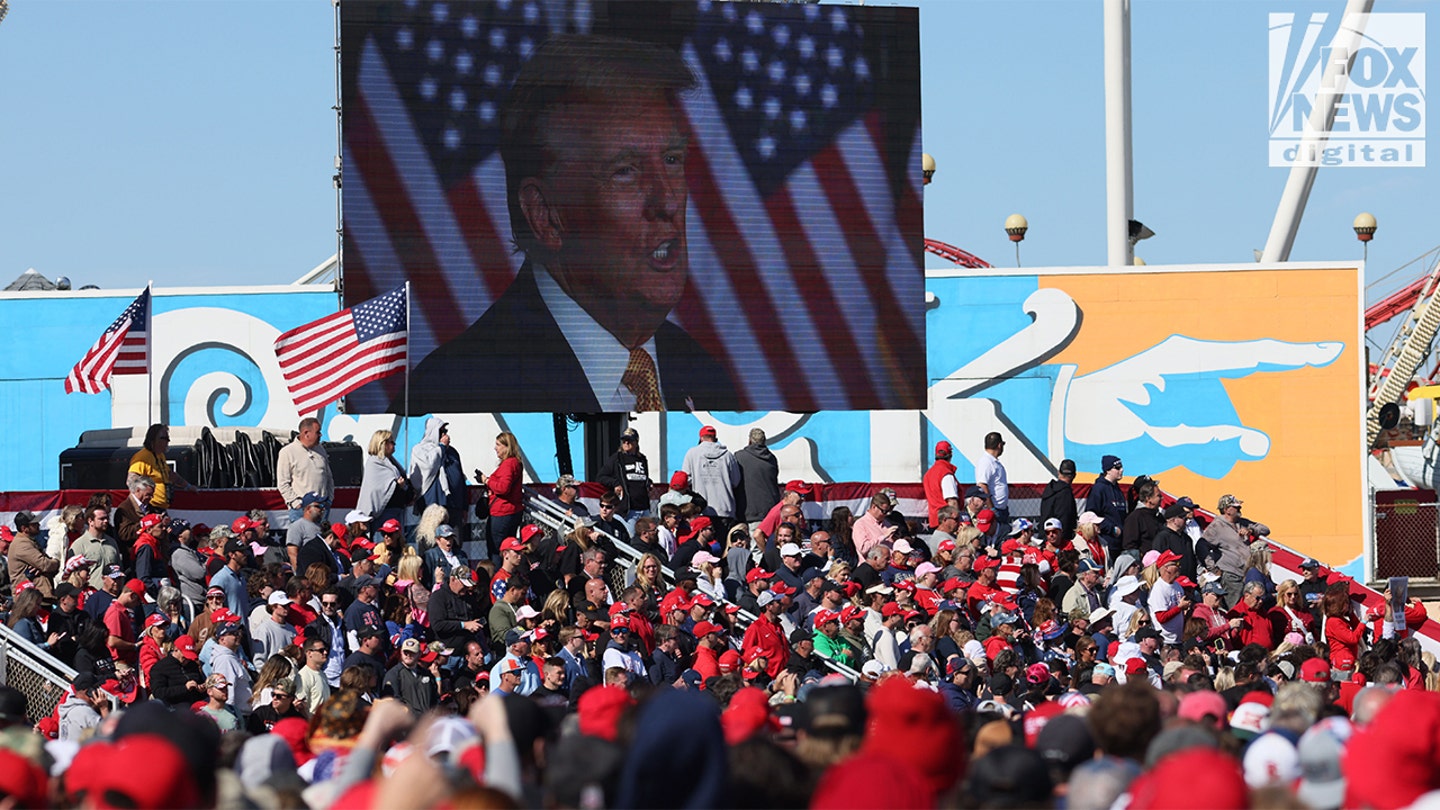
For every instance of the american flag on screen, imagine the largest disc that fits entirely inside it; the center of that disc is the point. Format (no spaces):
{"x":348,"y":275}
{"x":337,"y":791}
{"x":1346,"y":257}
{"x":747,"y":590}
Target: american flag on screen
{"x":806,"y":264}
{"x":124,"y":348}
{"x":324,"y":360}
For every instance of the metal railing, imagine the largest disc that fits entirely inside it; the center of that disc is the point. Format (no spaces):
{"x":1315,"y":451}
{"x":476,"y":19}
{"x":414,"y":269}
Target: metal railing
{"x":40,"y":676}
{"x":552,"y":514}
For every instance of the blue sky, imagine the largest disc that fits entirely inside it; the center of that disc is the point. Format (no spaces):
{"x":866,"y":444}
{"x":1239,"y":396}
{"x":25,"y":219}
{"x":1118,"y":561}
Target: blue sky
{"x":192,"y":142}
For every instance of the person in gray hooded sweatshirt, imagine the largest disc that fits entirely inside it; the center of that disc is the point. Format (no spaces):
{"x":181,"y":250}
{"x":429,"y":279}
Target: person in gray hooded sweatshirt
{"x":714,"y":474}
{"x":761,"y":474}
{"x":79,"y":711}
{"x":436,"y":473}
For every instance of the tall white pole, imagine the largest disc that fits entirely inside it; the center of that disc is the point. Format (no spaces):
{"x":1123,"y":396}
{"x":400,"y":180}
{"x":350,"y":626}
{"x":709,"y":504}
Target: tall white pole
{"x":1119,"y":177}
{"x":1317,"y":132}
{"x":150,"y":354}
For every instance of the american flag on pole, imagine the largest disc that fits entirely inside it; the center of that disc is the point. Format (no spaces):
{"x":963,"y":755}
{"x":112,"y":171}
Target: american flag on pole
{"x":804,"y":211}
{"x":324,"y":360}
{"x":124,"y":348}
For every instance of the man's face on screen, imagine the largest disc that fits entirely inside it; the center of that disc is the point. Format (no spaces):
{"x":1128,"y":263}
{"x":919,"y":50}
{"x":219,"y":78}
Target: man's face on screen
{"x":615,"y":195}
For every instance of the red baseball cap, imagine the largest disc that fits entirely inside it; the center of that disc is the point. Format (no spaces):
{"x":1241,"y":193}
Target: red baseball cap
{"x":984,"y":520}
{"x":943,"y":450}
{"x":679,"y":480}
{"x":156,"y":620}
{"x":186,"y":645}
{"x":758,"y":573}
{"x":697,"y":525}
{"x":703,"y":629}
{"x":729,"y":661}
{"x":708,"y":430}
{"x":390,"y":526}
{"x":136,"y":587}
{"x":1134,"y":666}
{"x":781,"y":589}
{"x":1315,"y":670}
{"x":826,"y":616}
{"x":511,"y":544}
{"x":1165,"y":558}
{"x":947,"y":545}
{"x":529,"y":532}
{"x":891,"y":609}
{"x":150,"y":521}
{"x":146,"y":769}
{"x":240,"y":524}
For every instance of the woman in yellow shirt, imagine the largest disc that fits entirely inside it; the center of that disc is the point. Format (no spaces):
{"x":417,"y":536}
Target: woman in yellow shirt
{"x":149,"y":460}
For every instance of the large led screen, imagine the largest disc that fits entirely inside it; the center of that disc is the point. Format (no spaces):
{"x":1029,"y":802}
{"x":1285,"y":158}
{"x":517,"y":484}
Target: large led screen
{"x":609,"y":207}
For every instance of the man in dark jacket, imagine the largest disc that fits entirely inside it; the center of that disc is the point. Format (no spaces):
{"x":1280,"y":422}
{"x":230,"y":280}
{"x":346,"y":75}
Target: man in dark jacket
{"x":411,"y":681}
{"x":1107,"y":501}
{"x":1172,"y":537}
{"x":1142,"y":524}
{"x":450,"y":613}
{"x":627,"y":474}
{"x":664,"y":663}
{"x":176,"y":678}
{"x":1058,"y":500}
{"x":760,"y":477}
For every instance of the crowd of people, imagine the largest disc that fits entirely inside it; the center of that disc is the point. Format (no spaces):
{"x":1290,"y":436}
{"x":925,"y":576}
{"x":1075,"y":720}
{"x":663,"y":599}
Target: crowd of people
{"x":717,"y":646}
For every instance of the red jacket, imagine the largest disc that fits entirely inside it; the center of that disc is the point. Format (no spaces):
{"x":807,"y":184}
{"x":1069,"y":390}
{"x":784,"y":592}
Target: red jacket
{"x":1343,"y":634}
{"x":770,"y":639}
{"x":150,"y":653}
{"x":504,"y":486}
{"x":707,"y":663}
{"x":1255,"y":630}
{"x":934,"y":494}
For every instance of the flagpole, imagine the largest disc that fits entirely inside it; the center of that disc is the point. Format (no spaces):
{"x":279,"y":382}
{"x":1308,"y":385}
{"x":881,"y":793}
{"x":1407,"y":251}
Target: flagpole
{"x":406,"y":417}
{"x":149,"y":352}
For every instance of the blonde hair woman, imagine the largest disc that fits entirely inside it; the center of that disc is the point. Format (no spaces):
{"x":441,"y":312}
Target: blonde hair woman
{"x":410,"y":568}
{"x":711,"y":581}
{"x":648,"y":577}
{"x":430,"y":520}
{"x":1140,"y":618}
{"x":1087,"y":538}
{"x":557,"y":608}
{"x":384,"y":488}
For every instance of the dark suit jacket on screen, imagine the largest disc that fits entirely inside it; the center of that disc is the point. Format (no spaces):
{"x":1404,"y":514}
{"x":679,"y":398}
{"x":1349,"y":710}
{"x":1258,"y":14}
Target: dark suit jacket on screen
{"x":515,"y":358}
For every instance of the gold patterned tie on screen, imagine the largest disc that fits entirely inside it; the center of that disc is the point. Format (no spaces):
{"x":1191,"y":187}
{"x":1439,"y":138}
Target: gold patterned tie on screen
{"x":640,"y":378}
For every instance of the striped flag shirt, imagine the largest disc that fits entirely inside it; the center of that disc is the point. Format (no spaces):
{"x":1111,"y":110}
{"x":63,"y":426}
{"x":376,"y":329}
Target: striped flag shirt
{"x":327,"y":359}
{"x":124,"y":348}
{"x":804,"y":212}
